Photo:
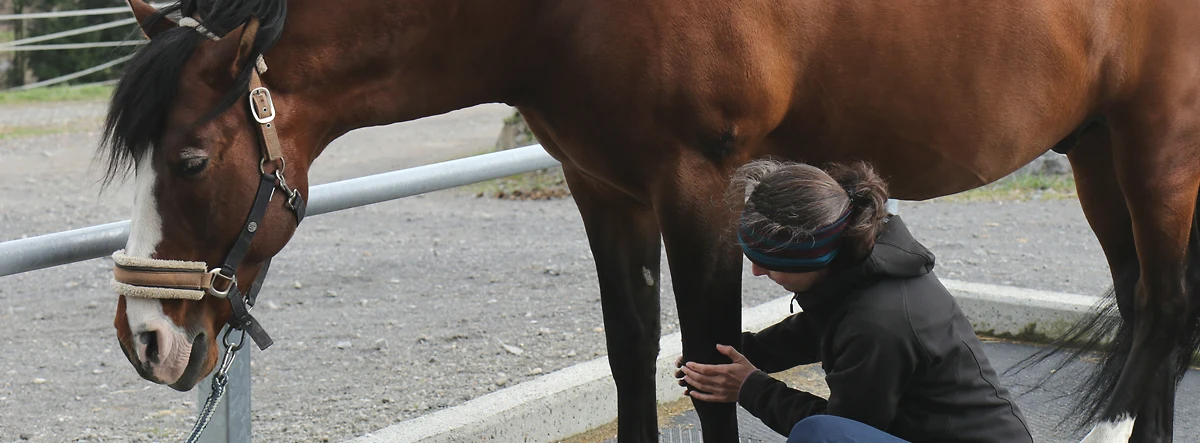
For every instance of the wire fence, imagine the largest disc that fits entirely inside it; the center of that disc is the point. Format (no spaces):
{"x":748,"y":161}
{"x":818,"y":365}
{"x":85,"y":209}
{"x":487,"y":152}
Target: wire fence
{"x":76,"y":13}
{"x":72,"y":76}
{"x":25,"y":44}
{"x":56,"y":35}
{"x":59,"y":46}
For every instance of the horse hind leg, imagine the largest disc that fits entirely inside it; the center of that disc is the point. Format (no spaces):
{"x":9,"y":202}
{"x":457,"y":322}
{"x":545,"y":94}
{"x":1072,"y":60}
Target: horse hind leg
{"x":1157,"y":415}
{"x":1154,"y":156}
{"x":1096,"y":183}
{"x":1188,"y":342}
{"x":624,"y":238}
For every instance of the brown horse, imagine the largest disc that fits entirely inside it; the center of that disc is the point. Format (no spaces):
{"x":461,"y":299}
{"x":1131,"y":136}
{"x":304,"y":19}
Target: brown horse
{"x":650,"y":105}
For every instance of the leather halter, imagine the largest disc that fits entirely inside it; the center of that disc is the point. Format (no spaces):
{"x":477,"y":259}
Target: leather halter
{"x":155,"y":278}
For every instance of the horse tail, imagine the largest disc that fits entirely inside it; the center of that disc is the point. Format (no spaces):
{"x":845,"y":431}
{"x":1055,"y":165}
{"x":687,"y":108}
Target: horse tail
{"x":1190,"y":341}
{"x":1103,"y":338}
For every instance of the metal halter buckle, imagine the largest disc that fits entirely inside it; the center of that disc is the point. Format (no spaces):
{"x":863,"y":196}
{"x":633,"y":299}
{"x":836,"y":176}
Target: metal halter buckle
{"x":261,"y":91}
{"x":212,"y":285}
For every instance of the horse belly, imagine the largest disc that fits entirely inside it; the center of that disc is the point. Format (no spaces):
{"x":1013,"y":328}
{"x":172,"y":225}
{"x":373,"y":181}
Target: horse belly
{"x":913,"y":171}
{"x":940,"y":96}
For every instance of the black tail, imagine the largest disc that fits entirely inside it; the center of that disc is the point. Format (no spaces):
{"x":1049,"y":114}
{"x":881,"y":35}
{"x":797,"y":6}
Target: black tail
{"x":1190,"y":342}
{"x":1107,"y":334}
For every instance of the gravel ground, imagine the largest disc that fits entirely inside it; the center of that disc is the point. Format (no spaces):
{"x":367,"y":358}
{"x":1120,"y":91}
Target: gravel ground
{"x":384,"y":313}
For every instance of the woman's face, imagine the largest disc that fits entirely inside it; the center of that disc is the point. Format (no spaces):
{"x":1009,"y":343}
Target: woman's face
{"x":793,"y":282}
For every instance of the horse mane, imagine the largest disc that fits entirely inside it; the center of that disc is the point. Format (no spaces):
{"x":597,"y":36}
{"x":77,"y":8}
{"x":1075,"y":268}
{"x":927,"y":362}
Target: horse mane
{"x":137,"y":114}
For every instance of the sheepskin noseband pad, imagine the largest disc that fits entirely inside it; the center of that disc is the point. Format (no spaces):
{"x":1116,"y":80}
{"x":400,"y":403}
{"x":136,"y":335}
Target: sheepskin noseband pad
{"x":162,"y":279}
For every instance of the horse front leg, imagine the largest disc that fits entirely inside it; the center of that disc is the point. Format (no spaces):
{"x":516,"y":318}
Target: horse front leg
{"x":706,"y":270}
{"x":624,"y":238}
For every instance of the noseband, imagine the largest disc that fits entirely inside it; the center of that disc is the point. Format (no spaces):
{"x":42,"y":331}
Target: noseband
{"x":191,"y":280}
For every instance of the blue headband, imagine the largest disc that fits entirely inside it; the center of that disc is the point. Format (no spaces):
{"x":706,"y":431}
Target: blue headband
{"x":779,"y":252}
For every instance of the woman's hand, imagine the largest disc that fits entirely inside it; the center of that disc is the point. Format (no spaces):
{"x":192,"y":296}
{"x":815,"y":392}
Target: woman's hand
{"x":715,"y":383}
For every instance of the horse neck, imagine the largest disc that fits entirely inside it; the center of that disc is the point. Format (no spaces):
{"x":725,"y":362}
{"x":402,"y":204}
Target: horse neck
{"x":366,"y":63}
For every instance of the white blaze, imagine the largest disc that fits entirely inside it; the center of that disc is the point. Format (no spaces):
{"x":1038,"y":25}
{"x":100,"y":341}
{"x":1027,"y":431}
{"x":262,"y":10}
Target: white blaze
{"x":145,"y":233}
{"x":146,"y":314}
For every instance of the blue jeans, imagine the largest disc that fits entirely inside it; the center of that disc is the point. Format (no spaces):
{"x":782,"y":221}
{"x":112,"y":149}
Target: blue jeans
{"x":832,"y":429}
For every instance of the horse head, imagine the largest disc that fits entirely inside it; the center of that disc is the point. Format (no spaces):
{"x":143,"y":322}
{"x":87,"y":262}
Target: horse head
{"x":218,"y":189}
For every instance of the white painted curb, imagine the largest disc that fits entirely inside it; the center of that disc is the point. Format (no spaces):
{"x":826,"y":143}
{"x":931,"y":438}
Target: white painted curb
{"x":582,"y":397}
{"x":1005,"y":311}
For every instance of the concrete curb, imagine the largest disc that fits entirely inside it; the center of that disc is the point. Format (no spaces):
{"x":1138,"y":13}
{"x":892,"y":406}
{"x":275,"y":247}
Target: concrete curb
{"x":582,"y":397}
{"x":1005,"y":311}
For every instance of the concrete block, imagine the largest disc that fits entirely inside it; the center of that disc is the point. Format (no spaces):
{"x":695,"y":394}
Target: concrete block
{"x":1025,"y":314}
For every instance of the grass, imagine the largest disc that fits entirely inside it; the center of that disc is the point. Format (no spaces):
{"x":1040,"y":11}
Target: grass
{"x":546,"y":184}
{"x":550,"y":184}
{"x":57,"y":94}
{"x":1020,"y":188}
{"x":31,"y":131}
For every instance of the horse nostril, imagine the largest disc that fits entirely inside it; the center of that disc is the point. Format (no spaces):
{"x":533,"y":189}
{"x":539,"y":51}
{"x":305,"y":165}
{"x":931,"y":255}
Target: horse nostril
{"x":150,"y":339}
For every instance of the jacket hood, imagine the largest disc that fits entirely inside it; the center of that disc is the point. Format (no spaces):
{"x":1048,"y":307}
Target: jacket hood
{"x":896,"y":254}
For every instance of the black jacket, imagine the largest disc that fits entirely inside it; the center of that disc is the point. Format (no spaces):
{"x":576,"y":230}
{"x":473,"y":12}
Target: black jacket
{"x":898,"y":354}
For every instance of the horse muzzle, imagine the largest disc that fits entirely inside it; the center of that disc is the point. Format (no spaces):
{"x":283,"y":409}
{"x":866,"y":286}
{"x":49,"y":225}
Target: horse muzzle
{"x":164,"y":353}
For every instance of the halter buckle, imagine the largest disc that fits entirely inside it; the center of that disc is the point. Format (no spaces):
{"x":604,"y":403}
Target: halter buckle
{"x":212,"y":283}
{"x":267,"y":105}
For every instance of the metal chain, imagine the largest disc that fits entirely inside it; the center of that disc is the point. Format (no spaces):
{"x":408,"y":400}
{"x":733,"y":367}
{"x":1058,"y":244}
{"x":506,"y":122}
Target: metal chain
{"x":219,"y":381}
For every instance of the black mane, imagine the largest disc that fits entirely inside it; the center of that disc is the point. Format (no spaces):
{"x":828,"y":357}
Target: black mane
{"x":148,"y":86}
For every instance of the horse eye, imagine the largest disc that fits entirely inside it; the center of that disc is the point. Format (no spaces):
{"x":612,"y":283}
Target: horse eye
{"x":194,"y":166}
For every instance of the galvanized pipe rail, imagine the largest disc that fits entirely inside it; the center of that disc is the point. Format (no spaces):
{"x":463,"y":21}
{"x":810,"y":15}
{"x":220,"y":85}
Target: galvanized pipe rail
{"x":60,"y":248}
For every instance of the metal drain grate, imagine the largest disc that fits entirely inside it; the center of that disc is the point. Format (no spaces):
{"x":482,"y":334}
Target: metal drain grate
{"x":685,"y":428}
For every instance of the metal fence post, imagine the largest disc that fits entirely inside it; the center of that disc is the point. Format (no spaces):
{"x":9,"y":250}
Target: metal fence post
{"x":231,"y":420}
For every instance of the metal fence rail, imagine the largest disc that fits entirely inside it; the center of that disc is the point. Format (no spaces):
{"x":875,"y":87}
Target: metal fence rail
{"x":60,"y":248}
{"x":71,"y":32}
{"x":65,"y":46}
{"x":75,"y":13}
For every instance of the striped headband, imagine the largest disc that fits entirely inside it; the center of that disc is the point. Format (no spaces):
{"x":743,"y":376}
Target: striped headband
{"x":779,"y":252}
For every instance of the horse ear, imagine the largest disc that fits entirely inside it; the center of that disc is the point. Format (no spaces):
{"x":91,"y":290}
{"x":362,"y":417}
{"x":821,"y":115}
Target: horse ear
{"x":245,"y":45}
{"x":142,"y":12}
{"x":232,"y":52}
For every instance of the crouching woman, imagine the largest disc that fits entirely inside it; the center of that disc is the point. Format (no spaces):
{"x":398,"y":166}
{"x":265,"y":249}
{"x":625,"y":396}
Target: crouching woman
{"x":901,"y":360}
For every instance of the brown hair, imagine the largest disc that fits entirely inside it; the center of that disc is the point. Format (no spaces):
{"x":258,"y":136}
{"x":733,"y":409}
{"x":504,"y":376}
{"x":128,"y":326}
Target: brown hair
{"x":802,"y":198}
